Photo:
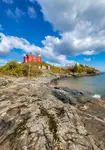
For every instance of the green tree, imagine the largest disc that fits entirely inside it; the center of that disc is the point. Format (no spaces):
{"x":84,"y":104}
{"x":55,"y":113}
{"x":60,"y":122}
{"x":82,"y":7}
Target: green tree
{"x":75,"y":68}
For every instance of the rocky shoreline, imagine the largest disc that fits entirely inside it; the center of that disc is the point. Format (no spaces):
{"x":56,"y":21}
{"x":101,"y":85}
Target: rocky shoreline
{"x":60,"y":76}
{"x":37,"y":115}
{"x":57,"y":77}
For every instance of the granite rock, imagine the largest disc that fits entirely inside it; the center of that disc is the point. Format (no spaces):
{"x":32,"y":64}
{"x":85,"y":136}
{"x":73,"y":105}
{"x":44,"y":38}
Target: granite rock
{"x":32,"y":118}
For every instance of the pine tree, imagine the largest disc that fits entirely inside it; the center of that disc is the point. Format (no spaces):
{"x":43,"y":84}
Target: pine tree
{"x":75,"y":68}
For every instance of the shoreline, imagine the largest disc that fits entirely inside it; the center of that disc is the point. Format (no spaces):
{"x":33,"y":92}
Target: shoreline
{"x":57,"y":81}
{"x":57,"y":76}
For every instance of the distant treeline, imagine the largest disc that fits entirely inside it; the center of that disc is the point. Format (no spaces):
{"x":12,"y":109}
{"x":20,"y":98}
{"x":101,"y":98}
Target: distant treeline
{"x":79,"y":68}
{"x":33,"y":69}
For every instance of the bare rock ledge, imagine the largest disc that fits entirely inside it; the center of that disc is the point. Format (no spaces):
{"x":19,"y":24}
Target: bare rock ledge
{"x":33,"y":118}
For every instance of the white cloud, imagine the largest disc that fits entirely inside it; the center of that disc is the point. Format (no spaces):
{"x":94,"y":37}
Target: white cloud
{"x":8,"y":1}
{"x":69,"y":63}
{"x":31,"y":12}
{"x":81,"y":22}
{"x":8,"y":43}
{"x":16,"y":14}
{"x":65,"y":14}
{"x":69,"y":45}
{"x":87,"y":59}
{"x":19,"y":62}
{"x":89,"y":52}
{"x":3,"y":61}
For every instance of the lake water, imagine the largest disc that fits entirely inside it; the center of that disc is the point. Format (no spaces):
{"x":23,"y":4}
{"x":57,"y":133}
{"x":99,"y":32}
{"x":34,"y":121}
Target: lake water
{"x":91,"y":84}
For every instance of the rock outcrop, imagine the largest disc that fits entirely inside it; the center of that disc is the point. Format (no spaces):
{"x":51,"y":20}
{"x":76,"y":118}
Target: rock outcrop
{"x":71,"y":96}
{"x":33,"y":118}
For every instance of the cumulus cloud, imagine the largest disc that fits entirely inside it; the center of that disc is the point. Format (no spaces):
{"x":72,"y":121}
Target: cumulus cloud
{"x":31,"y":12}
{"x":89,"y":52}
{"x":69,"y":63}
{"x":69,"y":45}
{"x":87,"y":59}
{"x":65,"y":14}
{"x":8,"y":43}
{"x":81,"y":24}
{"x":8,"y":1}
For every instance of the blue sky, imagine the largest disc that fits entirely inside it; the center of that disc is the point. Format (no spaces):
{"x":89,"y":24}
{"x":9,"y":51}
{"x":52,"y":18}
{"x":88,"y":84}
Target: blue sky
{"x":63,"y":31}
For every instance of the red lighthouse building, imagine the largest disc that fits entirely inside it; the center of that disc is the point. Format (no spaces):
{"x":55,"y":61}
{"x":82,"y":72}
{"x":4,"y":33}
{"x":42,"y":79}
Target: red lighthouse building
{"x":31,"y":58}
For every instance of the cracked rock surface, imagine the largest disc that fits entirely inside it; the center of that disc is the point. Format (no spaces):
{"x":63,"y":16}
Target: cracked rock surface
{"x":32,"y":118}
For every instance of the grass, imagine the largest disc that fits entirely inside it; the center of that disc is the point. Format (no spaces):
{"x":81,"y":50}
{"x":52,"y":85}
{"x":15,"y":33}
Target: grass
{"x":19,"y":70}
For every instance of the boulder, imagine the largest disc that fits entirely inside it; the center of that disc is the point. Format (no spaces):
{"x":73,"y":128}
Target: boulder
{"x":71,"y":96}
{"x":64,"y":97}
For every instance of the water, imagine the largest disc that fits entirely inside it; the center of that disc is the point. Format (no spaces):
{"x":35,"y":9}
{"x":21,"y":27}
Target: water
{"x":91,"y":84}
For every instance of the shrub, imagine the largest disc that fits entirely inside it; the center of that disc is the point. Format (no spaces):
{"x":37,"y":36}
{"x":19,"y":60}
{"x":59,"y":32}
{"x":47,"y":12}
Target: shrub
{"x":15,"y":69}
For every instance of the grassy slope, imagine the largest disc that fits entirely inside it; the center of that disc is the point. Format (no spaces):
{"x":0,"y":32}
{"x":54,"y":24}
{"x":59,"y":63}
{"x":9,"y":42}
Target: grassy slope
{"x":32,"y":69}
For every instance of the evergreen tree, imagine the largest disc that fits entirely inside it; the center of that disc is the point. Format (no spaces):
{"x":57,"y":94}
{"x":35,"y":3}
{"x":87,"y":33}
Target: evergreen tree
{"x":75,"y":68}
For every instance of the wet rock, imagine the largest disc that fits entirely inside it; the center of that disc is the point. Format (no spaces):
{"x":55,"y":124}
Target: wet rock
{"x":72,"y":91}
{"x":71,"y":96}
{"x":65,"y":97}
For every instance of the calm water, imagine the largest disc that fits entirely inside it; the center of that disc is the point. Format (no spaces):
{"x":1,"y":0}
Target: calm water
{"x":91,"y":84}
